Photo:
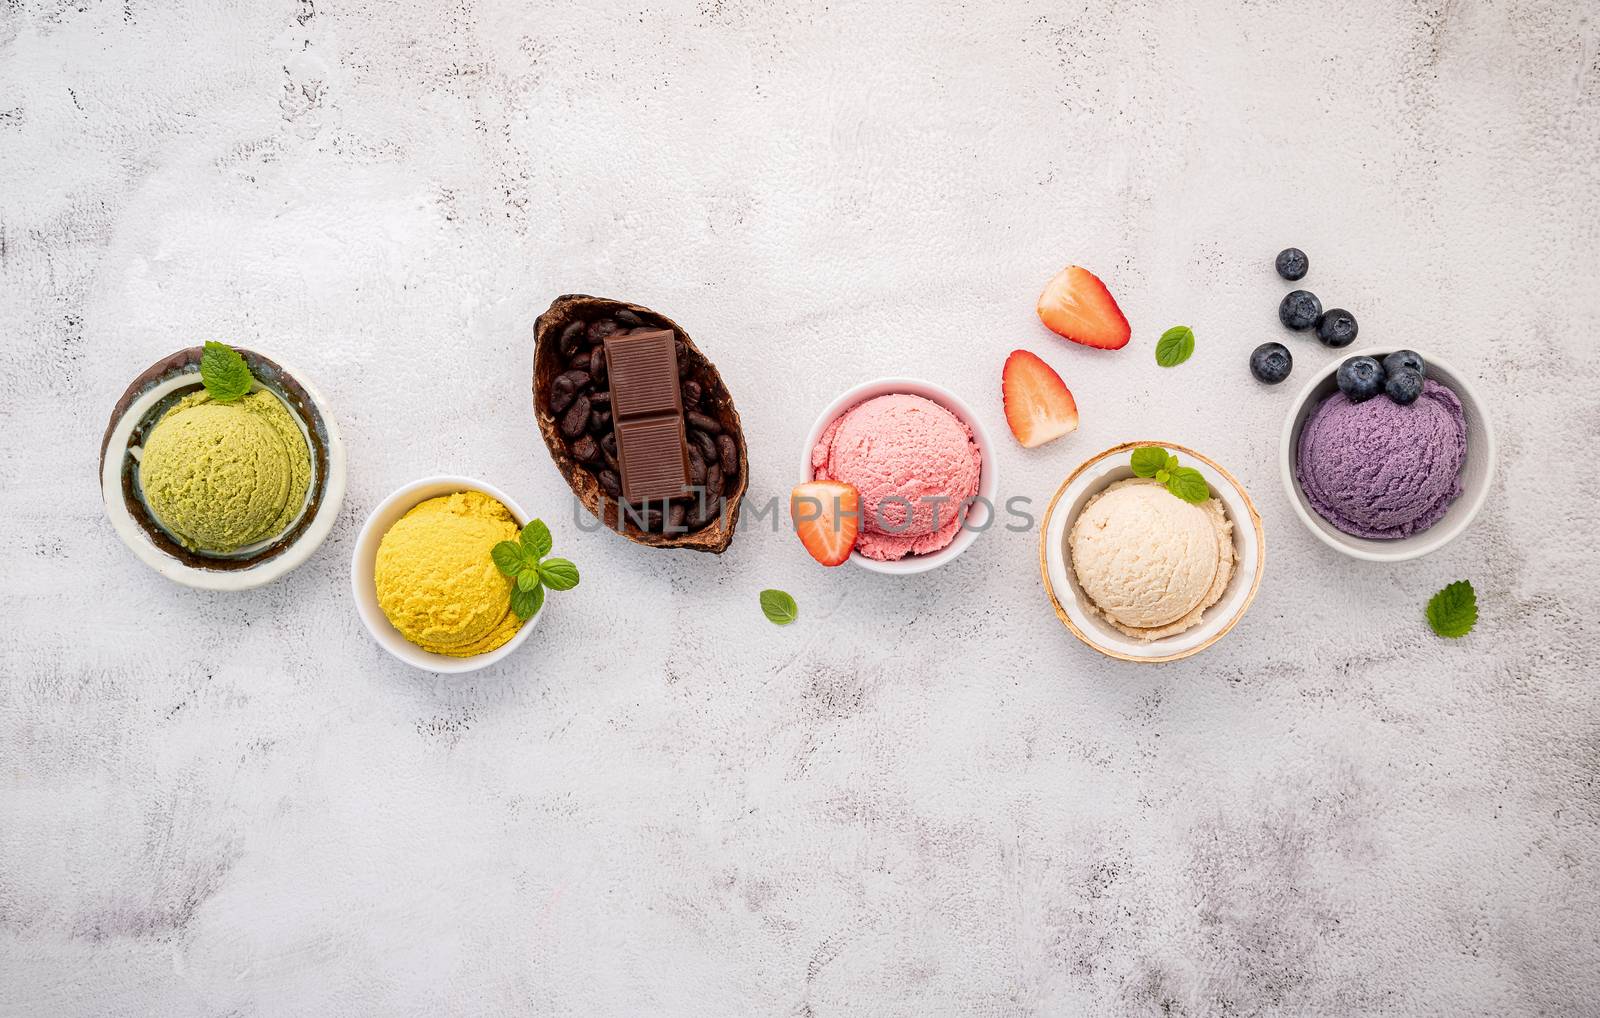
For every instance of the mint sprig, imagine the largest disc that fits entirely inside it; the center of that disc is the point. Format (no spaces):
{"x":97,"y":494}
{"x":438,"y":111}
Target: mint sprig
{"x":523,"y":560}
{"x":1175,"y":346}
{"x":1453,"y":611}
{"x":224,"y":373}
{"x":779,"y":607}
{"x":1156,"y":463}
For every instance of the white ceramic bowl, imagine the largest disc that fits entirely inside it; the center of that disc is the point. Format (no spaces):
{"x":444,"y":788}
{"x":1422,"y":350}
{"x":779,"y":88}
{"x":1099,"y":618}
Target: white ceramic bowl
{"x":1477,"y":473}
{"x":146,"y":399}
{"x":1072,"y":604}
{"x":979,"y":516}
{"x":365,"y":590}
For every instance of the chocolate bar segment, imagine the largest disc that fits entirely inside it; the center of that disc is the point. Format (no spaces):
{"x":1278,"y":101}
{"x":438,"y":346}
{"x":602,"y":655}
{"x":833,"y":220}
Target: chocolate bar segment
{"x":650,"y":451}
{"x":647,"y":414}
{"x":643,"y":368}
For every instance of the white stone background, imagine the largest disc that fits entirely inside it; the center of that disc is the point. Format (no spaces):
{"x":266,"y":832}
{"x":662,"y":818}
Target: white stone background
{"x":925,"y":797}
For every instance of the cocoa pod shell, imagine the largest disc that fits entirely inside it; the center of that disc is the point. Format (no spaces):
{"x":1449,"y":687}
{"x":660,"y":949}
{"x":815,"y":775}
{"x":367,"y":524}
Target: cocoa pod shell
{"x":575,"y":319}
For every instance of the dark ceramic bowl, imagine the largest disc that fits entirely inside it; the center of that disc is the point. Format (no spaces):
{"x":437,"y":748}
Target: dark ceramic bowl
{"x":155,"y":391}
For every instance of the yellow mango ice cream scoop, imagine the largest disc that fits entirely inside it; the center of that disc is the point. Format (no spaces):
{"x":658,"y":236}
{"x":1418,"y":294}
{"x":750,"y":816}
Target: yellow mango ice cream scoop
{"x":437,"y":581}
{"x":223,"y":476}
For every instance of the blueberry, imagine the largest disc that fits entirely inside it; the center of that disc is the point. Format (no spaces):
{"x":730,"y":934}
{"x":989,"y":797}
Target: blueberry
{"x":1360,"y":378}
{"x":1292,"y":263}
{"x":1299,"y":310}
{"x":1404,"y":386}
{"x":1337,"y":328}
{"x":1270,"y":363}
{"x":1405,"y":359}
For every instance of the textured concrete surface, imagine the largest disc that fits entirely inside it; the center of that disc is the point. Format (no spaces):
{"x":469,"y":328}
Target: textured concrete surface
{"x":926,"y":797}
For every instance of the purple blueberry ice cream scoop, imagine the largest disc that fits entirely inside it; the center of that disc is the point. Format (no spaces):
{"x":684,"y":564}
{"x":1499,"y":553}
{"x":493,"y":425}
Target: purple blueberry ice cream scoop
{"x":1381,"y":470}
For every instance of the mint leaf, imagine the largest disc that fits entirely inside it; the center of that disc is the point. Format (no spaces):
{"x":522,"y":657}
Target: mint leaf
{"x":507,"y":557}
{"x":779,"y":607}
{"x":558,"y":574}
{"x":536,"y":538}
{"x":525,"y":604}
{"x":1175,"y":346}
{"x":1163,"y":475}
{"x":225,"y":374}
{"x":520,"y":560}
{"x":1172,"y":462}
{"x":1189,"y":484}
{"x":1147,"y":459}
{"x":1453,"y":611}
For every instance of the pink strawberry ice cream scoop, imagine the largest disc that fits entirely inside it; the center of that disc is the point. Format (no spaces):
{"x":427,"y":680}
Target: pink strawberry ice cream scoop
{"x":1380,"y":470}
{"x":915,"y":465}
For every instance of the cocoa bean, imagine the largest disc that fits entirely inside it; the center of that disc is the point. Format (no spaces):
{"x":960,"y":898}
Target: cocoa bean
{"x":599,"y":421}
{"x":692,"y":392}
{"x":599,"y":330}
{"x":600,"y":397}
{"x":683,"y":358}
{"x":728,"y":455}
{"x":576,"y":418}
{"x":610,"y":483}
{"x":704,"y":510}
{"x":714,"y":480}
{"x":562,"y":393}
{"x":627,"y":318}
{"x":704,"y":423}
{"x":697,"y":468}
{"x":586,"y":449}
{"x":608,"y":449}
{"x":705,"y":443}
{"x":568,"y":340}
{"x":579,"y":379}
{"x":676,"y":513}
{"x":634,"y":513}
{"x":597,"y":365}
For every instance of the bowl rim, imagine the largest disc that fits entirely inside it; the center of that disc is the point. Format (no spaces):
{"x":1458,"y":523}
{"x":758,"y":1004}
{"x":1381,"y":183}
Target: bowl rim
{"x":1244,"y":605}
{"x":988,"y":476}
{"x":365,"y":549}
{"x":148,"y":389}
{"x":1401,"y":549}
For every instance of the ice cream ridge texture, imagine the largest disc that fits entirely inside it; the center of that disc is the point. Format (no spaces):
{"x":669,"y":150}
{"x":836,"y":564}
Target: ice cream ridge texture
{"x":1380,"y":470}
{"x":914,"y":464}
{"x":1150,"y":562}
{"x":436,"y":580}
{"x":222,"y":476}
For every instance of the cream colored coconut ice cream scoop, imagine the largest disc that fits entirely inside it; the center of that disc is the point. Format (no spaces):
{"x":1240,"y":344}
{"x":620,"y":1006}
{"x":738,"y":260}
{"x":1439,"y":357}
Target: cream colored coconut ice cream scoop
{"x":1150,"y":562}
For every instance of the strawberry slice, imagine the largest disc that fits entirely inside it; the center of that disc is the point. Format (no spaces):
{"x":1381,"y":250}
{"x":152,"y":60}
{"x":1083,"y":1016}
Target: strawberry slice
{"x":1039,"y":406}
{"x":827,"y":516}
{"x":1078,"y":306}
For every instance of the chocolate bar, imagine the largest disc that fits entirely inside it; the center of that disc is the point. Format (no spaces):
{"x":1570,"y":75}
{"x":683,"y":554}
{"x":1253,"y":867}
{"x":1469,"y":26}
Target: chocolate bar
{"x":647,"y":414}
